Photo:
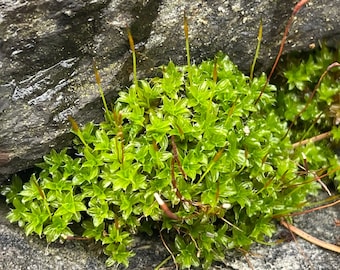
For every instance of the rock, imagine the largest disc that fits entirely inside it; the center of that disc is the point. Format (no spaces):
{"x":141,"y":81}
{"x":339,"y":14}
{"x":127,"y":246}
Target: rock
{"x":47,"y":46}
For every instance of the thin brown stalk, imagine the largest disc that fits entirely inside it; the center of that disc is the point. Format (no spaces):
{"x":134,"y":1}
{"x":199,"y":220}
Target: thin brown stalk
{"x":317,"y":208}
{"x":323,"y":185}
{"x":168,"y":249}
{"x":245,"y":254}
{"x":78,"y":238}
{"x":296,"y":9}
{"x":310,"y":238}
{"x":316,"y":176}
{"x":328,"y":173}
{"x":175,"y":153}
{"x":335,"y":64}
{"x":313,"y":139}
{"x":165,"y":208}
{"x":173,"y":180}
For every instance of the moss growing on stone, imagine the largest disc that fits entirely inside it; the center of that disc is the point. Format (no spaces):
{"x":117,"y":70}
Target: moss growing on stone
{"x":191,"y":154}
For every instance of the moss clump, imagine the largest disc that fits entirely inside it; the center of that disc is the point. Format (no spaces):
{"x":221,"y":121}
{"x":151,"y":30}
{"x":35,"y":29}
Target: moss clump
{"x":191,"y":153}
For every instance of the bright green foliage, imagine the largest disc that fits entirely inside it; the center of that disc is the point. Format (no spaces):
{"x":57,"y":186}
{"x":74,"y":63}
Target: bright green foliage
{"x":302,"y":77}
{"x":323,"y":112}
{"x":234,"y":168}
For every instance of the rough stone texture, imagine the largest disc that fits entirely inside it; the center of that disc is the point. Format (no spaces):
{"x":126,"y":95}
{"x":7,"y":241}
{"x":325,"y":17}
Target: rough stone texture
{"x":47,"y":46}
{"x":18,"y":252}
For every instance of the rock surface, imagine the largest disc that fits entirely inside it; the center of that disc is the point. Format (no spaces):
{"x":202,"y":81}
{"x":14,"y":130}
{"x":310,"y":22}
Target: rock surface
{"x":18,"y":252}
{"x":47,"y":46}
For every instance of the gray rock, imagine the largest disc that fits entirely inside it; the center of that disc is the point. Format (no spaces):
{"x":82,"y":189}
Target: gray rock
{"x":47,"y":46}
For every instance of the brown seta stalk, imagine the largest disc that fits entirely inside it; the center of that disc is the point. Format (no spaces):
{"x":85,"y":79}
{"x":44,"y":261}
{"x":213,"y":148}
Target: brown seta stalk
{"x":333,"y":65}
{"x":310,"y":238}
{"x":296,"y":9}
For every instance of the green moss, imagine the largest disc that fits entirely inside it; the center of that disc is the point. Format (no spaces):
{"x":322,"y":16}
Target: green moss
{"x":222,"y":163}
{"x":309,"y":101}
